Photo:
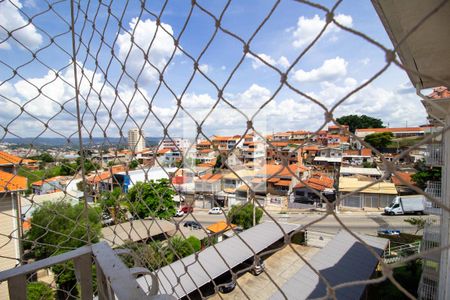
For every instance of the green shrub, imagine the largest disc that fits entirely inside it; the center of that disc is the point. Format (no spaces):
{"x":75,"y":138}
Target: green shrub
{"x":195,"y":243}
{"x":39,"y":291}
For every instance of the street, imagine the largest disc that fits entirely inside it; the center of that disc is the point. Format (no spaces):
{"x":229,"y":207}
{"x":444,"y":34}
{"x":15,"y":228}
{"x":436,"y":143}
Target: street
{"x":362,"y":222}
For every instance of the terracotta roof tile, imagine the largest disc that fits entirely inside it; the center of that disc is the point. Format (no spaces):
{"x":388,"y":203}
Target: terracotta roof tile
{"x":9,"y":159}
{"x":11,"y":182}
{"x":220,"y":227}
{"x":405,"y":176}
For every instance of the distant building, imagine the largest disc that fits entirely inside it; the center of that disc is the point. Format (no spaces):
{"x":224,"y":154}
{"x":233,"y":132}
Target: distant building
{"x":136,"y":140}
{"x":397,"y":132}
{"x":180,"y":144}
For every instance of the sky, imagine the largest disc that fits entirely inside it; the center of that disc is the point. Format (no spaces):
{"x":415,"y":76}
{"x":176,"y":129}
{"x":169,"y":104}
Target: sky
{"x":121,"y":49}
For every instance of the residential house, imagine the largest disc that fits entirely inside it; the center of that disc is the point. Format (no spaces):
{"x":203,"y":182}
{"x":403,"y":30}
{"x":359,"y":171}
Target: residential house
{"x":203,"y":145}
{"x":169,"y":157}
{"x":50,"y":185}
{"x":219,"y":230}
{"x":9,"y":163}
{"x":209,"y":184}
{"x":373,"y":173}
{"x":338,"y":130}
{"x":10,"y":222}
{"x":357,"y":157}
{"x":307,"y":192}
{"x":377,"y":195}
{"x":103,"y":181}
{"x":320,"y":138}
{"x":277,"y":179}
{"x":403,"y":181}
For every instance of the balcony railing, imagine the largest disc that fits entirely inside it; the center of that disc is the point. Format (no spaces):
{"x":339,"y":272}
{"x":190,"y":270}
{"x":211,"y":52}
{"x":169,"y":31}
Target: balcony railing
{"x":434,"y":154}
{"x":114,"y":279}
{"x":434,"y":189}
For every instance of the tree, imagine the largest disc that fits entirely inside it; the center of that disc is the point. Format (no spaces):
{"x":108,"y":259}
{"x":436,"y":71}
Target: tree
{"x":425,"y":174}
{"x":219,"y":164}
{"x":152,"y":199}
{"x":110,"y":202}
{"x":418,"y":222}
{"x":58,"y":227}
{"x":133,"y":164}
{"x":39,"y":291}
{"x":355,"y":122}
{"x":379,"y":140}
{"x":46,"y":157}
{"x":242,"y":215}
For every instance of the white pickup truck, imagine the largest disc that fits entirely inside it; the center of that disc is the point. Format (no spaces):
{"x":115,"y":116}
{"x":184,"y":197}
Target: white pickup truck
{"x":401,"y":205}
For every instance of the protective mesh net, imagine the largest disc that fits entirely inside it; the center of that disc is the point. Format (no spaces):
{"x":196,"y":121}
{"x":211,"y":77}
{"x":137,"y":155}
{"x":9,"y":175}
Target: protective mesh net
{"x":108,"y":77}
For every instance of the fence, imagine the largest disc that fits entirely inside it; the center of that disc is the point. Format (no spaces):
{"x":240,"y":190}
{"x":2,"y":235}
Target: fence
{"x":88,"y":71}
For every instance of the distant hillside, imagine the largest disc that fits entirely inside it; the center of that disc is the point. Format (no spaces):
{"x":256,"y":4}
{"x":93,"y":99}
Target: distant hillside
{"x":61,"y":142}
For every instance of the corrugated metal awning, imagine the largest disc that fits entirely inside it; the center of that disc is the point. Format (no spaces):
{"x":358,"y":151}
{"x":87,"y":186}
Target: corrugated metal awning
{"x":186,"y":275}
{"x":344,"y":259}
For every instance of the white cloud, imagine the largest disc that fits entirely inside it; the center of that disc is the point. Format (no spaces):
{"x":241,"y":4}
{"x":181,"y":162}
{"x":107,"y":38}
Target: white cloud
{"x":365,"y":61}
{"x":281,"y":62}
{"x":158,"y":55}
{"x":291,"y":112}
{"x":307,"y":29}
{"x":331,"y":69}
{"x":393,"y":106}
{"x":205,"y":68}
{"x":10,"y":20}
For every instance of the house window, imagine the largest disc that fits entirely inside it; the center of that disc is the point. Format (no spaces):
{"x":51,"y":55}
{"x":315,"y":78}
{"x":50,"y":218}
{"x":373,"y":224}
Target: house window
{"x":300,"y":193}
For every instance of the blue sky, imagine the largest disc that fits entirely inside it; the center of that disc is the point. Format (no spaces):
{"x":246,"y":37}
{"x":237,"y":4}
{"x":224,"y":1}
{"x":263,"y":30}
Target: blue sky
{"x":338,"y":63}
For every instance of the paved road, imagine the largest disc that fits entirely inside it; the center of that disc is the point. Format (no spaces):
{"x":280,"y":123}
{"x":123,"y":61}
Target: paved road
{"x":359,"y":222}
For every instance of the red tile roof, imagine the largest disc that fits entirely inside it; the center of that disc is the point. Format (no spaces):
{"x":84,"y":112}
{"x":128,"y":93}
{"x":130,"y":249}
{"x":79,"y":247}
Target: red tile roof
{"x":211,"y":177}
{"x":318,"y":182}
{"x":366,"y":152}
{"x":405,"y":176}
{"x":163,"y":151}
{"x":439,"y":93}
{"x":11,"y":182}
{"x":48,"y":180}
{"x":105,"y":175}
{"x":9,"y":159}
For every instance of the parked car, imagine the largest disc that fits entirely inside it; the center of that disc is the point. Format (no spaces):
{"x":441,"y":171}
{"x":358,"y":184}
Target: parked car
{"x":179,"y":213}
{"x":257,"y":268}
{"x":388,"y":231}
{"x":187,"y":209}
{"x":107,"y":220}
{"x":192,"y":224}
{"x":225,"y":282}
{"x":215,"y":211}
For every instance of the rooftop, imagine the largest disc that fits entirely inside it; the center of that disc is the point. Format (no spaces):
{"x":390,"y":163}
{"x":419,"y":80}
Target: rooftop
{"x":350,"y":184}
{"x":12,"y":183}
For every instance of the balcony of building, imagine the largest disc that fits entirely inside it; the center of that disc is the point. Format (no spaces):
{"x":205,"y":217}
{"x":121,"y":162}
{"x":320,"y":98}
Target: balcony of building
{"x":433,"y":189}
{"x":434,"y":155}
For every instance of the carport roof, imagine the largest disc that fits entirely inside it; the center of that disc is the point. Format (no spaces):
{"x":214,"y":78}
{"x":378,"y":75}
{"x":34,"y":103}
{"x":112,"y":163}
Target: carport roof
{"x":186,"y":275}
{"x":343,"y":259}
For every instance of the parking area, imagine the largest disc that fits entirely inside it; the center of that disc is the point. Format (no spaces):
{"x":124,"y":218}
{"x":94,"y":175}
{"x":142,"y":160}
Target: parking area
{"x":280,"y":267}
